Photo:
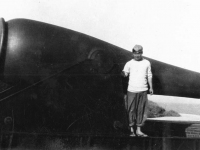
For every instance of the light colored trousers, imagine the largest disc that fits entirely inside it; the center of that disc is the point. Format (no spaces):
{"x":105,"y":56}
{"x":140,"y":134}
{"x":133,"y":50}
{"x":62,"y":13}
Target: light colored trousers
{"x":136,"y":106}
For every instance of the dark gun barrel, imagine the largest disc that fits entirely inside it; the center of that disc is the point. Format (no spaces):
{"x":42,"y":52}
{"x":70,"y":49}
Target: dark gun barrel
{"x":31,"y":51}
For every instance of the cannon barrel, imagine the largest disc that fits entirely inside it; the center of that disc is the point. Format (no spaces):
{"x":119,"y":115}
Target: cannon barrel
{"x":31,"y":51}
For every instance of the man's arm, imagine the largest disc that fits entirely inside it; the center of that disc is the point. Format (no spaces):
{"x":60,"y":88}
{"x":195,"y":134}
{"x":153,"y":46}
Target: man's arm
{"x":126,"y":70}
{"x":150,"y":75}
{"x":150,"y":85}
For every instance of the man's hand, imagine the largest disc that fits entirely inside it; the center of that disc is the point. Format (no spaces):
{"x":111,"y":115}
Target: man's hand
{"x":124,"y":74}
{"x":151,"y":91}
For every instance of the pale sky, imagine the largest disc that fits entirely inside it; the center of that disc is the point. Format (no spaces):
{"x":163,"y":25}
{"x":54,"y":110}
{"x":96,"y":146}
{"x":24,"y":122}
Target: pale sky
{"x":169,"y":30}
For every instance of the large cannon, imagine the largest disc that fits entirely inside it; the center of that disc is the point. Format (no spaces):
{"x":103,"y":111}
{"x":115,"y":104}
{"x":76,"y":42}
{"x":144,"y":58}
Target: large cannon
{"x":59,"y":80}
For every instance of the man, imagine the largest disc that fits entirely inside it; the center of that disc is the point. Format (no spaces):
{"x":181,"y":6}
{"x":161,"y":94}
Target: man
{"x":140,"y":75}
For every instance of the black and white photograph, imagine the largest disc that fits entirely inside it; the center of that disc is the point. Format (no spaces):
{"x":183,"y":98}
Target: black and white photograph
{"x":99,"y":75}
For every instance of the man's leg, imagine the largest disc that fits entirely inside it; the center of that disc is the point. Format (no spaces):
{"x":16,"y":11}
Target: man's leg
{"x":141,"y":113}
{"x":139,"y":132}
{"x":132,"y":131}
{"x":131,"y":111}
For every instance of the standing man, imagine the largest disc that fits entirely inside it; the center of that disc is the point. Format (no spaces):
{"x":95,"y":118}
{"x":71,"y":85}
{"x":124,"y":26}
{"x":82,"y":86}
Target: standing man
{"x":140,"y":75}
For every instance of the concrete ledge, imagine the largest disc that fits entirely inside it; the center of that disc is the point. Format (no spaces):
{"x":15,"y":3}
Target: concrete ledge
{"x":187,"y":125}
{"x":184,"y":118}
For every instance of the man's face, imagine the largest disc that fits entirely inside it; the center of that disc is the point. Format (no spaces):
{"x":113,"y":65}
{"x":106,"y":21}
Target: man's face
{"x":137,"y":56}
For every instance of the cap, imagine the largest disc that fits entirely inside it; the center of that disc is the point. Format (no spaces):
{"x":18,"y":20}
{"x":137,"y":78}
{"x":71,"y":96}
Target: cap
{"x":137,"y":49}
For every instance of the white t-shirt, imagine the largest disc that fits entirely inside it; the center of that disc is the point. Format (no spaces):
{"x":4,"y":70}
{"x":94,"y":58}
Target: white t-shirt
{"x":139,"y":72}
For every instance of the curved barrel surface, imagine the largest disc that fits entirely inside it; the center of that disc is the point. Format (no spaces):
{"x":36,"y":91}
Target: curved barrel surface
{"x":36,"y":50}
{"x":32,"y":51}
